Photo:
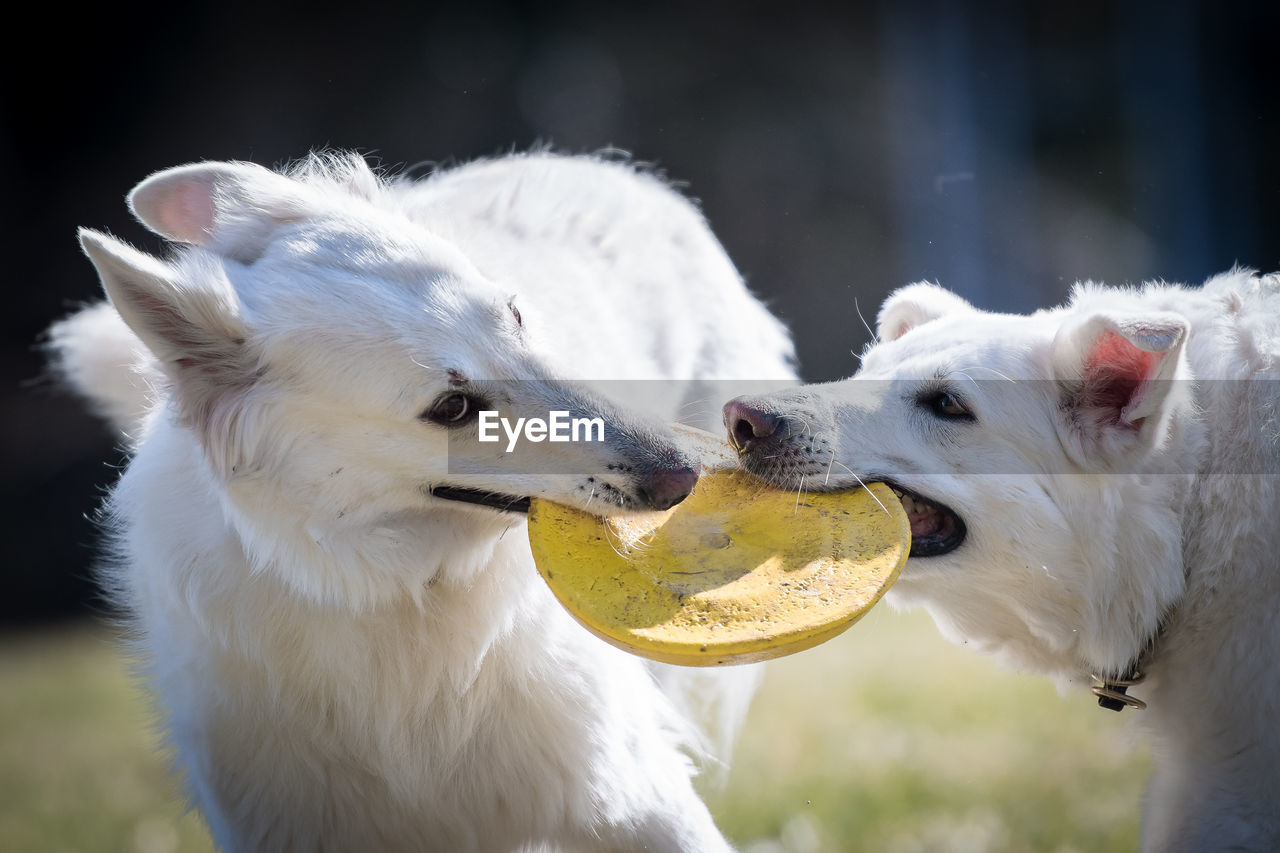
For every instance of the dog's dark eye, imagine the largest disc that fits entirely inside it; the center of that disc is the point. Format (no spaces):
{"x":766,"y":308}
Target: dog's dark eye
{"x":944,"y":404}
{"x":453,"y":410}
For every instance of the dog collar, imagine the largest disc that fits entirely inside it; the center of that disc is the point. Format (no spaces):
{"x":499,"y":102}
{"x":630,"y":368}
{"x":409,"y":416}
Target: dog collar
{"x":1111,"y":692}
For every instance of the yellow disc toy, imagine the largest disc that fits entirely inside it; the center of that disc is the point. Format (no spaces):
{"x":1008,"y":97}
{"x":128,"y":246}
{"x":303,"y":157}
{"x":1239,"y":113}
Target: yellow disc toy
{"x":738,"y":572}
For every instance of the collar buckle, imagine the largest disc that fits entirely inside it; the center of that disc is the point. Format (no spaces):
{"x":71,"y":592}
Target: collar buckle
{"x":1111,"y":692}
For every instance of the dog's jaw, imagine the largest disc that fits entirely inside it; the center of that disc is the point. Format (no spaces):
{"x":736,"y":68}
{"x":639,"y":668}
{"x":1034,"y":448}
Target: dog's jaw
{"x":936,"y":529}
{"x":592,"y":494}
{"x":493,"y":500}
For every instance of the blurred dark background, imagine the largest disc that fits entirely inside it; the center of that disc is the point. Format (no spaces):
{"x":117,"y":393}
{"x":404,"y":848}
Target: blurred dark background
{"x":838,"y":151}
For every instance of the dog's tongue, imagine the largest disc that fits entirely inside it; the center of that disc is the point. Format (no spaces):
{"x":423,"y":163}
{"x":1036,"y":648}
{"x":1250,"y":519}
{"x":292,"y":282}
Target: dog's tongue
{"x":736,"y":573}
{"x":929,"y":522}
{"x":925,"y":523}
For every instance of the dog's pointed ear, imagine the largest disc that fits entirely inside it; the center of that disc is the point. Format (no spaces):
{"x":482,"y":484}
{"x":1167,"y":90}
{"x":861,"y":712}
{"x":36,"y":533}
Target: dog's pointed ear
{"x":914,"y":305}
{"x":195,"y":332}
{"x":230,"y":208}
{"x":1117,"y":376}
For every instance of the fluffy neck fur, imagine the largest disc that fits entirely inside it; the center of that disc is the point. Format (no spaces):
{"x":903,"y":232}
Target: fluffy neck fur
{"x":1213,"y":697}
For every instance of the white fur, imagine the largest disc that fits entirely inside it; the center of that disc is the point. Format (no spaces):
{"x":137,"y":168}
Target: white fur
{"x":1097,"y":510}
{"x":343,"y":661}
{"x":93,"y":351}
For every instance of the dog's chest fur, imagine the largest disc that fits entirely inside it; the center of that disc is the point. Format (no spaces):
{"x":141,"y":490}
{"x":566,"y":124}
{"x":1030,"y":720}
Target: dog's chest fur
{"x":456,"y":718}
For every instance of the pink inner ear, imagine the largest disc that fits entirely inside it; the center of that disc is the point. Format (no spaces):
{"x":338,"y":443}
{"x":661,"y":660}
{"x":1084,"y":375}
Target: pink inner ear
{"x":189,"y":211}
{"x":1115,"y":373}
{"x":179,"y":207}
{"x":194,"y":205}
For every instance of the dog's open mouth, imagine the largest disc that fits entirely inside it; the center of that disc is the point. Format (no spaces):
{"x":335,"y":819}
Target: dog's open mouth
{"x":493,"y":500}
{"x":935,"y":529}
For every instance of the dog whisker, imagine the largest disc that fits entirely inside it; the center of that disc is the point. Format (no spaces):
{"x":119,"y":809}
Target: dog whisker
{"x":423,"y":366}
{"x":855,"y":476}
{"x":964,"y":372}
{"x":800,"y":490}
{"x":875,"y":339}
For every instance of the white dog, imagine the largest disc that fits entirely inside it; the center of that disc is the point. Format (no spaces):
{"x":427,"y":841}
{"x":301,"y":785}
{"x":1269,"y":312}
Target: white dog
{"x":329,"y":575}
{"x":1092,"y":490}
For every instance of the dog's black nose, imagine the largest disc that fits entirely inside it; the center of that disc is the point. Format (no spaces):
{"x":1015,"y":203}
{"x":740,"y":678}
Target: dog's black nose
{"x":748,"y":425}
{"x":666,"y":487}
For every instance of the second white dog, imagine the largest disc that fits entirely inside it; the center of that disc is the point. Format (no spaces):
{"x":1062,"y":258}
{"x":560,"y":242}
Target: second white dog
{"x":1093,"y":490}
{"x":329,"y":577}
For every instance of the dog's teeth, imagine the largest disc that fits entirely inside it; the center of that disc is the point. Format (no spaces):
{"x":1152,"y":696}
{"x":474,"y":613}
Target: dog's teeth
{"x":908,"y":504}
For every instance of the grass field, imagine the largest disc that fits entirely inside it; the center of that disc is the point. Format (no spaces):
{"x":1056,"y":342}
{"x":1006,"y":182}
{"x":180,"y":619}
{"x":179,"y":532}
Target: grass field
{"x":886,"y":739}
